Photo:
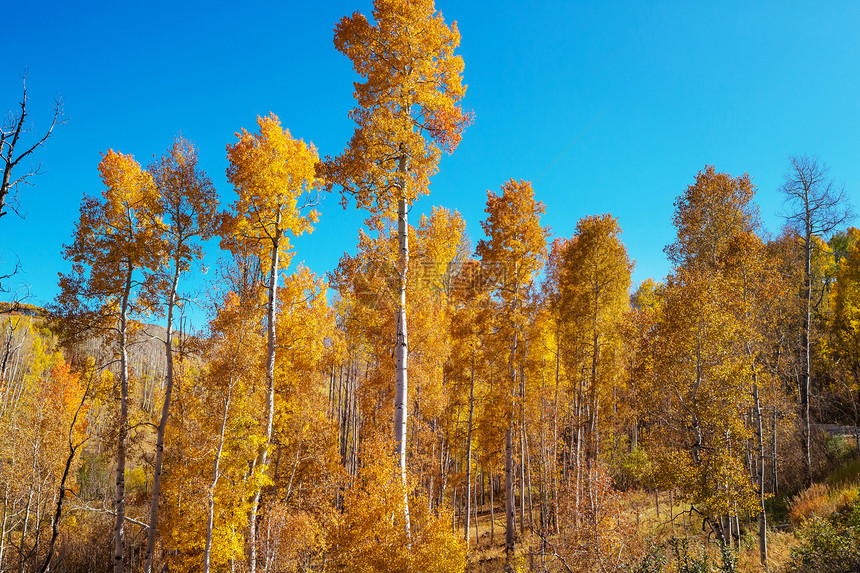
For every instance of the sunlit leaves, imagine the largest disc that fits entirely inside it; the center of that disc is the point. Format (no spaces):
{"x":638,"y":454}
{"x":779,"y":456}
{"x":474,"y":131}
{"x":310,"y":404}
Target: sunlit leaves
{"x":408,"y":102}
{"x":274,"y":176}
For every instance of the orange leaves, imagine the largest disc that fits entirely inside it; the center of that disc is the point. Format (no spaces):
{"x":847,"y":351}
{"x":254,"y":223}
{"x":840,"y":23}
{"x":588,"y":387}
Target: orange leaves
{"x":187,"y":202}
{"x":709,"y":213}
{"x":113,"y":240}
{"x":516,"y":243}
{"x":408,"y":105}
{"x":64,"y":394}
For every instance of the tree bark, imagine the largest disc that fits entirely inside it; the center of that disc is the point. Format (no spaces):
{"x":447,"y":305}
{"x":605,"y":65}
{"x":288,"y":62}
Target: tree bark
{"x":401,"y":345}
{"x":162,"y":425}
{"x":119,"y":500}
{"x":509,"y":500}
{"x":469,"y":453}
{"x":762,"y":516}
{"x":271,"y":345}
{"x":806,"y":375}
{"x":492,"y":512}
{"x":216,"y":474}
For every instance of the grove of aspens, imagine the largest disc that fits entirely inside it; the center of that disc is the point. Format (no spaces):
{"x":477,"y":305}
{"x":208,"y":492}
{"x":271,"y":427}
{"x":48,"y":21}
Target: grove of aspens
{"x":431,"y":404}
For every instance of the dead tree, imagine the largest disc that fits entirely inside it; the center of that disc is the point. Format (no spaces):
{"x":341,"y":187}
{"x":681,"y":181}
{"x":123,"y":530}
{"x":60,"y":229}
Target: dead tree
{"x":815,"y":207}
{"x":13,"y":149}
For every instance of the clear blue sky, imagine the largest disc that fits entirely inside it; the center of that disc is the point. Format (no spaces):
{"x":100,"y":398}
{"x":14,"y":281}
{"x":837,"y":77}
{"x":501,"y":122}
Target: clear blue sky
{"x":606,"y":106}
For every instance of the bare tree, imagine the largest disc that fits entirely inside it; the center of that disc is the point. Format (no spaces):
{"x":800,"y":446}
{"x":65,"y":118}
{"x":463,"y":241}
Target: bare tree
{"x":815,"y":206}
{"x":13,"y":129}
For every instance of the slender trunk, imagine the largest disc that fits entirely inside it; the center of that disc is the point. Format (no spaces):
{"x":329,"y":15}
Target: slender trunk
{"x":401,"y":399}
{"x":762,"y":516}
{"x":592,"y":451}
{"x":555,"y":445}
{"x":162,"y":425}
{"x":806,"y":375}
{"x":271,"y":343}
{"x":469,"y":451}
{"x":509,"y":500}
{"x":774,"y":458}
{"x":119,"y":501}
{"x":58,"y":512}
{"x":492,"y":512}
{"x":522,"y":475}
{"x":475,"y":504}
{"x":216,"y":474}
{"x":529,"y":482}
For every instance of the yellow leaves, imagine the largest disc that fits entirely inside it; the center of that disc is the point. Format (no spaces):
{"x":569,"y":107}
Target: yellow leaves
{"x":187,"y":203}
{"x":711,"y":211}
{"x":127,"y":185}
{"x":516,"y":243}
{"x":408,"y":106}
{"x":275,"y":178}
{"x":370,"y":535}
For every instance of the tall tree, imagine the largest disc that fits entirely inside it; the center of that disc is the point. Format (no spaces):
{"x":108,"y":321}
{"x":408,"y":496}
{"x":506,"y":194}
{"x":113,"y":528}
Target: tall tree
{"x":408,"y":113}
{"x":513,"y":253}
{"x":843,"y":340}
{"x":696,"y":362}
{"x":274,"y":176}
{"x":815,"y":206}
{"x":187,"y":203}
{"x":595,"y":281}
{"x":113,"y":242}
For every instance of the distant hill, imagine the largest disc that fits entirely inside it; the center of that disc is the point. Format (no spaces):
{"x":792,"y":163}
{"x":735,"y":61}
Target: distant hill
{"x":21,"y":308}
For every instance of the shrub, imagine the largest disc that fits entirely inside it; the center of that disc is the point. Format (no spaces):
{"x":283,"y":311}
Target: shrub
{"x":828,"y":546}
{"x":814,"y":501}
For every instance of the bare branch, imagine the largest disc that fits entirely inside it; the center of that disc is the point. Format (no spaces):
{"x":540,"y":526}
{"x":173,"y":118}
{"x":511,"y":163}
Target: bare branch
{"x":9,"y":140}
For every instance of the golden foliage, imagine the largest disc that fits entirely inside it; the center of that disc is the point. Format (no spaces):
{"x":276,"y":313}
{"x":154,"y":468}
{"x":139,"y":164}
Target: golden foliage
{"x":274,"y":176}
{"x":408,"y":106}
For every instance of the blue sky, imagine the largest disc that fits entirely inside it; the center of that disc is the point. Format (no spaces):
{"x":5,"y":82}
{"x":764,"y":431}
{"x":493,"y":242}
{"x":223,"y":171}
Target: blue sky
{"x":606,"y":106}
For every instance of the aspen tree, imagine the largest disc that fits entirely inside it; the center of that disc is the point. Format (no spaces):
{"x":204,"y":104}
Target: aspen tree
{"x":274,"y":177}
{"x":816,"y":206}
{"x":595,"y":279}
{"x":187,"y":204}
{"x":700,"y":355}
{"x":514,"y":252}
{"x":408,"y":113}
{"x":112,"y":243}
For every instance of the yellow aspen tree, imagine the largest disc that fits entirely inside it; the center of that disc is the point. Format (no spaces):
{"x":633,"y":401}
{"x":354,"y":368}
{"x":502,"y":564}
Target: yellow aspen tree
{"x":843,"y":340}
{"x":275,"y":178}
{"x":408,"y":113}
{"x":594,"y":295}
{"x":187,"y":204}
{"x":66,"y":399}
{"x":112,"y":243}
{"x":306,"y":438}
{"x":701,"y":368}
{"x":514,"y":252}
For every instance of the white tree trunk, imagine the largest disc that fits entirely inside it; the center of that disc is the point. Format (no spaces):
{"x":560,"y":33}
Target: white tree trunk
{"x":119,"y":501}
{"x":270,"y":390}
{"x":762,"y":516}
{"x":162,"y":425}
{"x":401,"y":398}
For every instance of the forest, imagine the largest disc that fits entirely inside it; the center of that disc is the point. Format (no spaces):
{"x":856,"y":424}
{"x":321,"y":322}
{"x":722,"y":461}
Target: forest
{"x":431,"y":404}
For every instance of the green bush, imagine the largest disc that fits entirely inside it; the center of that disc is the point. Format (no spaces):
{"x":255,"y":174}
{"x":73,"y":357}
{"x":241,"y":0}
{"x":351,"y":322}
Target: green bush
{"x":828,"y":545}
{"x":632,"y":470}
{"x":683,"y":562}
{"x":845,"y":474}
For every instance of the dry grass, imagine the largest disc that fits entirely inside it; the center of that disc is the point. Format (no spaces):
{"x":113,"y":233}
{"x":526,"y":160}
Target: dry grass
{"x":814,"y":501}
